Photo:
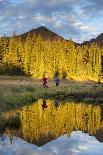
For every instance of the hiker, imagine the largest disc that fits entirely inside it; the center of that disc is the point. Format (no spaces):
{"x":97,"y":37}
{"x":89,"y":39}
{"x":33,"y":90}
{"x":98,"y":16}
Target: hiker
{"x":45,"y":81}
{"x":57,"y":81}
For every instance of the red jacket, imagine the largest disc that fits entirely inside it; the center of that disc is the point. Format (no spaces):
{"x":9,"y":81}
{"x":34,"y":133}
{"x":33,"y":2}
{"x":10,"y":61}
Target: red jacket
{"x":45,"y":79}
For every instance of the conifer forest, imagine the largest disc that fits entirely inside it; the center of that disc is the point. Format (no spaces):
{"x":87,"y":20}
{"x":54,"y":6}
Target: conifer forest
{"x":36,"y":57}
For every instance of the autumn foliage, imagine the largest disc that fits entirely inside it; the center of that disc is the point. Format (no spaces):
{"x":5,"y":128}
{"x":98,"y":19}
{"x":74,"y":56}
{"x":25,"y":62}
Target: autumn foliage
{"x":36,"y":57}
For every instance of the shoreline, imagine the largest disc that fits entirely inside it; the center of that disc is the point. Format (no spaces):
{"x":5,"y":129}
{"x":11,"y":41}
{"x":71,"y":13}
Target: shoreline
{"x":19,"y":91}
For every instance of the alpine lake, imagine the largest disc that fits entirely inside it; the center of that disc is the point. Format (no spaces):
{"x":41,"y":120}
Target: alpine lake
{"x":52,"y":127}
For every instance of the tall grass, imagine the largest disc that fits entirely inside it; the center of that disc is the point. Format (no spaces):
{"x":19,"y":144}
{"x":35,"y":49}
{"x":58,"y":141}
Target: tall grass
{"x":18,"y":91}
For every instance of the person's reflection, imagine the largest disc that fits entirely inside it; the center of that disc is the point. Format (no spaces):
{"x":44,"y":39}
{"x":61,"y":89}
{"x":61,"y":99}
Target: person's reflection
{"x":56,"y":103}
{"x":44,"y":105}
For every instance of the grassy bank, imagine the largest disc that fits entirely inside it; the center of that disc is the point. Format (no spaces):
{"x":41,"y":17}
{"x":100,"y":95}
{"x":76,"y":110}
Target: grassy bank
{"x":18,"y":91}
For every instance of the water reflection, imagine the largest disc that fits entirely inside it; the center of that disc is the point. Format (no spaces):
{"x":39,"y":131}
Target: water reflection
{"x":78,"y":144}
{"x":44,"y":105}
{"x":46,"y":120}
{"x":56,"y":103}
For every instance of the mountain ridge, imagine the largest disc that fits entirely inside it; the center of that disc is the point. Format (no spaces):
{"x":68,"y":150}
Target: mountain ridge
{"x":47,"y":34}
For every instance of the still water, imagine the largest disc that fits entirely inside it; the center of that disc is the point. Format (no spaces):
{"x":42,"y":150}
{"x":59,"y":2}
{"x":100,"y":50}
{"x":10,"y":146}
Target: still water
{"x":50,"y":127}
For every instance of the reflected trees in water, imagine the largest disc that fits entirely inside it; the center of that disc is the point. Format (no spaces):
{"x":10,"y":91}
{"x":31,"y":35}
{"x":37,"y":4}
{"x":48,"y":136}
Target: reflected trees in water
{"x":46,"y":120}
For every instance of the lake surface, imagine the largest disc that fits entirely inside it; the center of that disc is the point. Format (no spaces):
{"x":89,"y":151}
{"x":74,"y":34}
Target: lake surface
{"x":50,"y":127}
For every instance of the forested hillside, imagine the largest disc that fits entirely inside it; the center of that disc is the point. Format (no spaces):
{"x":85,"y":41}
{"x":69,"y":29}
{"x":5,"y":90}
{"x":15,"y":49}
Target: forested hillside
{"x":35,"y":57}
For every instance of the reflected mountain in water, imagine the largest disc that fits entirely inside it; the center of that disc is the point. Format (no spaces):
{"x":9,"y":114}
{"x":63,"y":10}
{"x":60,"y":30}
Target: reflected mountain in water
{"x":77,"y":144}
{"x":46,"y":120}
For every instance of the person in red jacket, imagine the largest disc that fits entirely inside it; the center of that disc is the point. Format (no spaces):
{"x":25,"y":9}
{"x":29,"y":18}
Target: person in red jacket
{"x":45,"y":81}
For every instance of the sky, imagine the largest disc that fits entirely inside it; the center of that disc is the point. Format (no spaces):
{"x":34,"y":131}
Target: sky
{"x":80,"y":20}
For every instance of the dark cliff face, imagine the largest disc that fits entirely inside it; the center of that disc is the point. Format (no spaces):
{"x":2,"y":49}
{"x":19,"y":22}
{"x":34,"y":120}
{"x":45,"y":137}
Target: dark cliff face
{"x":42,"y":31}
{"x":98,"y":40}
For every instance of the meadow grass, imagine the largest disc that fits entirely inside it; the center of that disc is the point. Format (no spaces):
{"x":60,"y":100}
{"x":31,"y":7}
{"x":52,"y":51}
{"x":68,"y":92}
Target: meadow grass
{"x":18,"y":91}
